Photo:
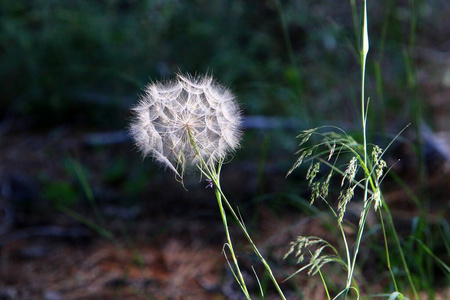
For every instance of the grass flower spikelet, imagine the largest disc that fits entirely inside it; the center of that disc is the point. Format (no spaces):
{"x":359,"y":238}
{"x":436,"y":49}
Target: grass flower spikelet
{"x":299,"y":249}
{"x":177,"y":121}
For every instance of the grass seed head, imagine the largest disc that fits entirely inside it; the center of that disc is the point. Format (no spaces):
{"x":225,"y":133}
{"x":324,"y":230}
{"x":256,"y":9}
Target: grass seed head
{"x":344,"y":198}
{"x":350,"y":172}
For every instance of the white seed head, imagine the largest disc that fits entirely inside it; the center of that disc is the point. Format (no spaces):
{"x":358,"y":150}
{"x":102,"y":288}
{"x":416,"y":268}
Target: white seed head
{"x":177,"y":121}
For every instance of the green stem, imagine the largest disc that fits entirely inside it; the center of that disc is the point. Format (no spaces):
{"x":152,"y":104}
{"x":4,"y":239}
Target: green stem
{"x":214,"y":175}
{"x":230,"y":244}
{"x":255,"y":249}
{"x":400,"y":250}
{"x":324,"y":284}
{"x":347,"y":251}
{"x":388,"y":256}
{"x":359,"y":235}
{"x":364,"y":49}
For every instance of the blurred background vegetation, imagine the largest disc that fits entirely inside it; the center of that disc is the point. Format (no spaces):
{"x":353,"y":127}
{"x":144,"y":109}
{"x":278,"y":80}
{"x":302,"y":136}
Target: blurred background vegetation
{"x":83,"y":62}
{"x":70,"y":71}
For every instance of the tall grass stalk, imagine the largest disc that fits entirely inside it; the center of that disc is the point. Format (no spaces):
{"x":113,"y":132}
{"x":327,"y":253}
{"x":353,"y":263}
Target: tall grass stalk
{"x":364,"y":50}
{"x":336,"y":144}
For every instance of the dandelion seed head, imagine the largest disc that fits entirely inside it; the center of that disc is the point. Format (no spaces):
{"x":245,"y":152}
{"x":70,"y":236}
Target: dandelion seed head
{"x":186,"y":120}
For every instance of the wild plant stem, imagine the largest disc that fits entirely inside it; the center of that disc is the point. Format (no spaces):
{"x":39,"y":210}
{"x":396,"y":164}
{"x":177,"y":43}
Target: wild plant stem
{"x":214,"y":175}
{"x":347,"y":251}
{"x":230,"y":244}
{"x":324,"y":284}
{"x":400,"y":250}
{"x":362,"y":224}
{"x":364,"y":49}
{"x":255,"y":249}
{"x":386,"y":247}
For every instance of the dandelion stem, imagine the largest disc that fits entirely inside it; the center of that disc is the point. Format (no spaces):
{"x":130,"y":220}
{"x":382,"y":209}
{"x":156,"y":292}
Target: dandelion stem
{"x":255,"y":249}
{"x":227,"y":232}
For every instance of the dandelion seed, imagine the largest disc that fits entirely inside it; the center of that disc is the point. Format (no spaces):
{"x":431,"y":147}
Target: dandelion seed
{"x":185,"y":121}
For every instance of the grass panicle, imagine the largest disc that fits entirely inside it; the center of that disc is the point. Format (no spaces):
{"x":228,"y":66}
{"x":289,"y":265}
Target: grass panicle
{"x":330,"y":148}
{"x":312,"y":247}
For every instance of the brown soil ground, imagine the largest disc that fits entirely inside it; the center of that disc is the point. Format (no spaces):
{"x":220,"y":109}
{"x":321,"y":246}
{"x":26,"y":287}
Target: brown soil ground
{"x":166,"y":251}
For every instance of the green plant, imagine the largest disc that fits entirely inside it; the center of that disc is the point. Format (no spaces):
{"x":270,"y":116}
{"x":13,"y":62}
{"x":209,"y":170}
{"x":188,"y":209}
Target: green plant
{"x":176,"y":139}
{"x":60,"y":193}
{"x":363,"y":171}
{"x":195,"y":122}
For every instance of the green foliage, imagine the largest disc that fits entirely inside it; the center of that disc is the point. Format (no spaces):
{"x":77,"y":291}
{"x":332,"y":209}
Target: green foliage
{"x":60,"y":193}
{"x":372,"y":167}
{"x":83,"y":61}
